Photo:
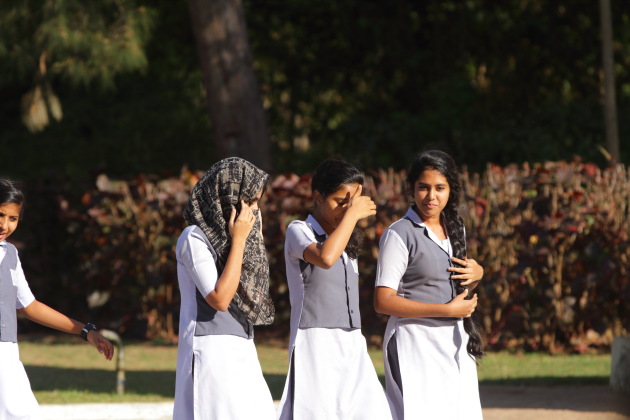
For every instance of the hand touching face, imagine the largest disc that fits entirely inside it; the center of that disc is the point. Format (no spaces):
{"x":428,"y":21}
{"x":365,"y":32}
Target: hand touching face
{"x":330,"y":210}
{"x":241,"y":226}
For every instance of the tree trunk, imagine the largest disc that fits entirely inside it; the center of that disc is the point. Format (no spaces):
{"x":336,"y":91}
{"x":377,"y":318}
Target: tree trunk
{"x":238,"y":120}
{"x":610,"y":102}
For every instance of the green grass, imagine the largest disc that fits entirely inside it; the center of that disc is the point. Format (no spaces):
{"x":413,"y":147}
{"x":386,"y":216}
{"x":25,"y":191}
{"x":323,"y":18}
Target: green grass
{"x":66,"y":370}
{"x":543,"y":369}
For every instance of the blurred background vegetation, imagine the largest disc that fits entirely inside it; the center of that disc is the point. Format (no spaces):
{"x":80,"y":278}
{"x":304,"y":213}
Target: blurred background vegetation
{"x":106,"y":114}
{"x":373,"y":81}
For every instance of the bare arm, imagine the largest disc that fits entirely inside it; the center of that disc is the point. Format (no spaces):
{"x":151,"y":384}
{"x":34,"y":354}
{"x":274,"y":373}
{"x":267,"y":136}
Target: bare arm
{"x":228,"y":282}
{"x":326,"y":255}
{"x":387,"y":301}
{"x":45,"y":315}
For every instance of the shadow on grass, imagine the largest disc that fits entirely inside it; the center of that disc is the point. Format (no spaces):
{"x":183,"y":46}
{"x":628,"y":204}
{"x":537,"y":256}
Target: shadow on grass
{"x":583,"y":396}
{"x":574,"y":393}
{"x":276,"y":384}
{"x":155,"y":382}
{"x":549,"y":381}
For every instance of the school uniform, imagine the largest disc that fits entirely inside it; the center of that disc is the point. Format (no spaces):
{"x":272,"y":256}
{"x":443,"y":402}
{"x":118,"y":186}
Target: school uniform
{"x":16,"y":397}
{"x":331,"y":375}
{"x":428,"y":372}
{"x":218,"y":372}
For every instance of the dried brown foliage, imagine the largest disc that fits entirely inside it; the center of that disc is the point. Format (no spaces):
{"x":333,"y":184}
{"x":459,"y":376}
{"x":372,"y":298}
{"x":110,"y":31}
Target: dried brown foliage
{"x":553,"y":239}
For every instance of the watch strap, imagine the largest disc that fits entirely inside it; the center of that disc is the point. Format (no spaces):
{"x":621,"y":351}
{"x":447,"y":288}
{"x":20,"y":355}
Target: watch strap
{"x":88,"y":327}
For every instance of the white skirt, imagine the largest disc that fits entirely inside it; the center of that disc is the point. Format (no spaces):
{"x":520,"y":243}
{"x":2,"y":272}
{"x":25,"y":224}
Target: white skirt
{"x":428,"y":372}
{"x":224,"y":381}
{"x":332,"y":377}
{"x":17,"y":401}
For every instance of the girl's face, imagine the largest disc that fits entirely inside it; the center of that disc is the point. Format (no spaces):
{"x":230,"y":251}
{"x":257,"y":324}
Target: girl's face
{"x":330,"y":210}
{"x":254,"y":203}
{"x":9,"y":218}
{"x":430,"y":192}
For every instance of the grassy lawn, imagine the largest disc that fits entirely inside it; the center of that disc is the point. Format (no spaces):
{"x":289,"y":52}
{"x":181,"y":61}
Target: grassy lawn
{"x":66,"y":370}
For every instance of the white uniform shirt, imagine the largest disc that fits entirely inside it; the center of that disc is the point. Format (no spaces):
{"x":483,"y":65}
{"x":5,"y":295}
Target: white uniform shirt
{"x":24,"y":295}
{"x":196,"y":269}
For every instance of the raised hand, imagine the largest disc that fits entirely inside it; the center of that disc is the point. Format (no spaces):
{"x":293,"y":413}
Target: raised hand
{"x":360,"y":206}
{"x":460,"y":307}
{"x":470,"y":272}
{"x":241,"y":226}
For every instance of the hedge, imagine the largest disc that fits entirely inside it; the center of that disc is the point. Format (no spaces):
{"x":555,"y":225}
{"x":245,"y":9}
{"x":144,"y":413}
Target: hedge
{"x":553,"y":238}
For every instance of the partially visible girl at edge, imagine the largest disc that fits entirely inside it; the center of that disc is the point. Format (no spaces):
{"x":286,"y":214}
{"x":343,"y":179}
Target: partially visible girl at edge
{"x":16,"y":397}
{"x":331,"y":375}
{"x":424,"y":281}
{"x":223,"y":277}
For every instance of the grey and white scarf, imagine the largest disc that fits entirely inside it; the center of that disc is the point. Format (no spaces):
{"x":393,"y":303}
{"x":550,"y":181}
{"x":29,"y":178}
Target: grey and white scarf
{"x":225,"y":184}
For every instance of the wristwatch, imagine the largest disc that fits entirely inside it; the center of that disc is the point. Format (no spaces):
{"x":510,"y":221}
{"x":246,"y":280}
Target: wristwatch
{"x":88,"y":327}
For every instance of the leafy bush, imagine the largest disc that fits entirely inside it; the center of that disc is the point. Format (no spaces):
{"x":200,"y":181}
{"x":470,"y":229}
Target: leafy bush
{"x":553,"y":239}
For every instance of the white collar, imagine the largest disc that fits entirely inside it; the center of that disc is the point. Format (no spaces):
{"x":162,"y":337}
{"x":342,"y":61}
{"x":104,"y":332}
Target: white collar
{"x":314,"y":224}
{"x":415,"y":219}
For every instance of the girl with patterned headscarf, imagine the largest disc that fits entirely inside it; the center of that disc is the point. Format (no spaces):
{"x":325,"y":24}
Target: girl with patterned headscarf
{"x":223,"y":277}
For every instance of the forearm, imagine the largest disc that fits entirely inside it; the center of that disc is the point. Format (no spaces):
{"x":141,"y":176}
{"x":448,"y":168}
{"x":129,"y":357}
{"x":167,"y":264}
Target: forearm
{"x":335,"y":244}
{"x":47,"y":316}
{"x":405,"y":308}
{"x":228,"y":282}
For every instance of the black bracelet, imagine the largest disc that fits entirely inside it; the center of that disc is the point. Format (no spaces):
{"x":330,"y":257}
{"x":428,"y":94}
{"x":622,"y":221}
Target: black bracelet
{"x":88,"y":327}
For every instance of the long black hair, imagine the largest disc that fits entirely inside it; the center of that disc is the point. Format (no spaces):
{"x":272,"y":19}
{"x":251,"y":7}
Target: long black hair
{"x":330,"y":176}
{"x":10,"y":193}
{"x":444,"y":164}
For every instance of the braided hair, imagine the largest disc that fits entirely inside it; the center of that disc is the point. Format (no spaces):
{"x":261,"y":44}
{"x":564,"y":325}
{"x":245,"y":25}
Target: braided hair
{"x":444,"y":163}
{"x":330,"y":176}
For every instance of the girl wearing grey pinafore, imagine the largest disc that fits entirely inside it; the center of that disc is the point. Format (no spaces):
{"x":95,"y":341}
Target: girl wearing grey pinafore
{"x":429,"y":349}
{"x":17,"y":401}
{"x":331,"y":375}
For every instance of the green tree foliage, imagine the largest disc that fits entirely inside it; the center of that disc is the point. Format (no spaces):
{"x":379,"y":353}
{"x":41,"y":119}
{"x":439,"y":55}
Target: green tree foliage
{"x":490,"y":81}
{"x":81,"y":42}
{"x":510,"y":81}
{"x":152,"y":121}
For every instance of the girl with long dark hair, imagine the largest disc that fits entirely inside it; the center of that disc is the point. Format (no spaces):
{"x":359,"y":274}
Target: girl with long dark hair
{"x":424,"y":281}
{"x":331,"y":375}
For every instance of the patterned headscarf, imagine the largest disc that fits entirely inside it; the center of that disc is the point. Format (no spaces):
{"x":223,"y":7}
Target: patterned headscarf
{"x":225,"y":184}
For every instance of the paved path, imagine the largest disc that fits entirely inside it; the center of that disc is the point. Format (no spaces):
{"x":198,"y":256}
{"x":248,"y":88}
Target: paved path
{"x":589,"y":402}
{"x":116,"y":411}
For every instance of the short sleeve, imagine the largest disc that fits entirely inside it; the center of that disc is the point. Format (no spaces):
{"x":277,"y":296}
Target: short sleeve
{"x":24,"y":295}
{"x":198,"y":257}
{"x":298,"y":237}
{"x":393,"y":258}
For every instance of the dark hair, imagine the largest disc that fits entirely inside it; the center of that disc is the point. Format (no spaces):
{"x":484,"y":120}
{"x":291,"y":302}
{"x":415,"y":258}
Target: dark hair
{"x":330,"y":176}
{"x":444,"y":164}
{"x":10,"y":193}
